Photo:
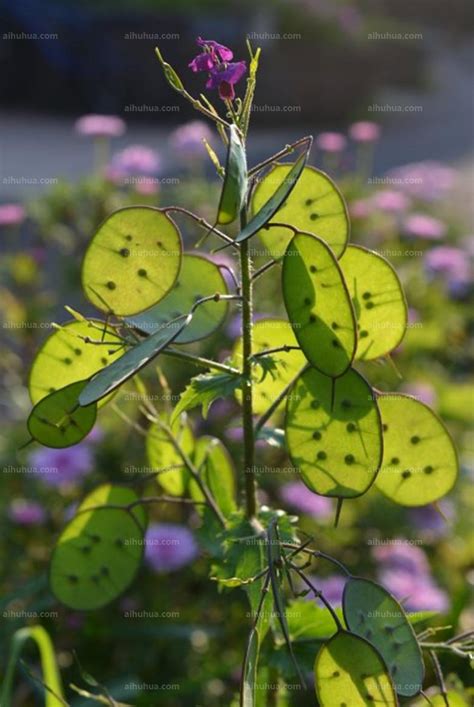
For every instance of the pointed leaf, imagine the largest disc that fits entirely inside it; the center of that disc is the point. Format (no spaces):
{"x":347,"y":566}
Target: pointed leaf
{"x":378,"y":301}
{"x":315,"y":205}
{"x":204,"y":389}
{"x":199,"y":277}
{"x":334,"y":433}
{"x":373,"y":613}
{"x":234,"y":189}
{"x":59,"y":421}
{"x":165,"y":459}
{"x":216,"y":469}
{"x":276,"y":199}
{"x":349,"y":671}
{"x":420,"y":463}
{"x":249,"y":673}
{"x":318,"y":305}
{"x":133,"y":260}
{"x":131,"y":362}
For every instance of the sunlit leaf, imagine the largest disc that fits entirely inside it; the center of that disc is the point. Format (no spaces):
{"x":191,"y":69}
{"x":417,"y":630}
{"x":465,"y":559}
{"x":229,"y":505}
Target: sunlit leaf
{"x":58,"y":420}
{"x":164,"y":458}
{"x":315,"y":205}
{"x":234,"y":189}
{"x":132,"y":261}
{"x":204,"y":389}
{"x":199,"y":277}
{"x":373,"y":613}
{"x":334,"y":433}
{"x":98,"y":553}
{"x":66,"y":358}
{"x":378,"y":301}
{"x":349,"y":671}
{"x":249,"y":673}
{"x":420,"y":463}
{"x":216,"y":470}
{"x":318,"y":305}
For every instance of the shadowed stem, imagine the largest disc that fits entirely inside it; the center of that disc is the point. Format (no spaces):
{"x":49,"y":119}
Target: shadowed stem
{"x":267,"y":415}
{"x":247,"y":403}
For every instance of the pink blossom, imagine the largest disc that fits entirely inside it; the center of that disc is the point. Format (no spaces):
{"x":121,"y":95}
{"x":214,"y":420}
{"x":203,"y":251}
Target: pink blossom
{"x":298,"y":496}
{"x":361,"y":208}
{"x":391,"y":201}
{"x":365,"y":131}
{"x":147,"y":185}
{"x":169,"y":547}
{"x":449,"y":262}
{"x":187,"y":140}
{"x":428,"y":180}
{"x":421,"y":391}
{"x":100,"y":125}
{"x":25,"y":512}
{"x":331,"y":142}
{"x":135,"y":160}
{"x":424,"y":226}
{"x":11,"y":214}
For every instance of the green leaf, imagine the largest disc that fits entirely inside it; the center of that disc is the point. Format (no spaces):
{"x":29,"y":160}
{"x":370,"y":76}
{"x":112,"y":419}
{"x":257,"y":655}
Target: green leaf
{"x":234,"y":189}
{"x":199,"y":277}
{"x":132,"y":261}
{"x":308,"y":621}
{"x":98,"y":553}
{"x":115,"y":375}
{"x":334,"y":433}
{"x":170,"y":74}
{"x":420,"y":463}
{"x":318,"y":305}
{"x":58,"y":420}
{"x":271,"y":333}
{"x":349,"y":671}
{"x":315,"y":205}
{"x":249,"y":673}
{"x":204,"y":389}
{"x":372,"y":612}
{"x":162,"y":455}
{"x":66,"y":358}
{"x":378,"y":301}
{"x":216,"y":469}
{"x":50,"y":672}
{"x":275,"y":200}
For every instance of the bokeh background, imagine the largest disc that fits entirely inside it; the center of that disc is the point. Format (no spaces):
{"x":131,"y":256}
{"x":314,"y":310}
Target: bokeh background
{"x":401,"y":68}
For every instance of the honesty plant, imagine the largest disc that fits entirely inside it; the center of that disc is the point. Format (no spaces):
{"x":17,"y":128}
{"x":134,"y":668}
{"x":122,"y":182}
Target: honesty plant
{"x":345,"y":306}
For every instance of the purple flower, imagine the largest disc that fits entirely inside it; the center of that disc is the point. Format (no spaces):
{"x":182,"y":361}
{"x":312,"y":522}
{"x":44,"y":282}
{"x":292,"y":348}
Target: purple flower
{"x":213,"y":52}
{"x":25,"y":512}
{"x":449,"y":263}
{"x":135,"y":160}
{"x":428,"y":181}
{"x":364,"y":131}
{"x":331,"y":142}
{"x":298,"y":496}
{"x":59,"y":467}
{"x":391,"y":201}
{"x":419,"y":593}
{"x":332,"y":587}
{"x":100,"y":125}
{"x":361,"y":208}
{"x":424,"y":226}
{"x":11,"y":214}
{"x":169,"y":547}
{"x":399,"y":555}
{"x":225,"y":76}
{"x":187,"y":139}
{"x":430,"y":521}
{"x":421,"y":391}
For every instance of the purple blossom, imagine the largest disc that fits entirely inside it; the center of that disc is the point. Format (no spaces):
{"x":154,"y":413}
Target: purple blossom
{"x":169,"y":547}
{"x":331,"y":142}
{"x":332,"y":587}
{"x":423,"y":226}
{"x":187,"y":140}
{"x":419,"y":593}
{"x":135,"y":160}
{"x":59,"y":467}
{"x":100,"y":125}
{"x":361,"y":208}
{"x":298,"y":496}
{"x":399,"y":555}
{"x":391,"y":201}
{"x":428,"y":180}
{"x":11,"y":214}
{"x":225,"y":76}
{"x":430,"y":521}
{"x":213,"y":52}
{"x":25,"y":512}
{"x":365,"y":131}
{"x":421,"y":391}
{"x":449,"y":263}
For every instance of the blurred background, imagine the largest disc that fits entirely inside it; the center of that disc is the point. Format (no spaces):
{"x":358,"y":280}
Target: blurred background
{"x":88,"y":124}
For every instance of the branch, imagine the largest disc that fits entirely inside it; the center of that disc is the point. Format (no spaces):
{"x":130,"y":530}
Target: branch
{"x":267,"y":415}
{"x":287,"y":150}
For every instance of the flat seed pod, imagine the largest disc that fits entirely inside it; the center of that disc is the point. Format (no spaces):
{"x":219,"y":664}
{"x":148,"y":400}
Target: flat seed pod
{"x":132,"y":361}
{"x":420,"y":463}
{"x":349,"y":672}
{"x":268,"y":334}
{"x":115,"y":495}
{"x":234,"y":189}
{"x":315,"y":205}
{"x":98,"y":553}
{"x":373,"y":613}
{"x":334,"y":433}
{"x":378,"y":301}
{"x":199,"y":277}
{"x":215,"y":465}
{"x":66,"y":358}
{"x":133,"y":260}
{"x":163,"y":458}
{"x":59,"y":421}
{"x":318,"y":305}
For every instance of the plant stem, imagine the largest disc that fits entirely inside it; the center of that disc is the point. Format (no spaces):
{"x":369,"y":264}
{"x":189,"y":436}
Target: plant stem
{"x":201,"y":361}
{"x":247,"y":404}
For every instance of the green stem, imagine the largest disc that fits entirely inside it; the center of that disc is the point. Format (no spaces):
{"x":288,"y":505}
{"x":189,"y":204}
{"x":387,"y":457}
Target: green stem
{"x":201,"y":361}
{"x":247,"y":404}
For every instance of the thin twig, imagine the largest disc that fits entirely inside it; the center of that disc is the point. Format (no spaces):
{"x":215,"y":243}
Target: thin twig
{"x":287,"y":150}
{"x":267,"y":415}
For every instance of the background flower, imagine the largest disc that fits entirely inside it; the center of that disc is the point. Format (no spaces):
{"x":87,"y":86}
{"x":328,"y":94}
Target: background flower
{"x":169,"y":547}
{"x":59,"y":467}
{"x":100,"y":125}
